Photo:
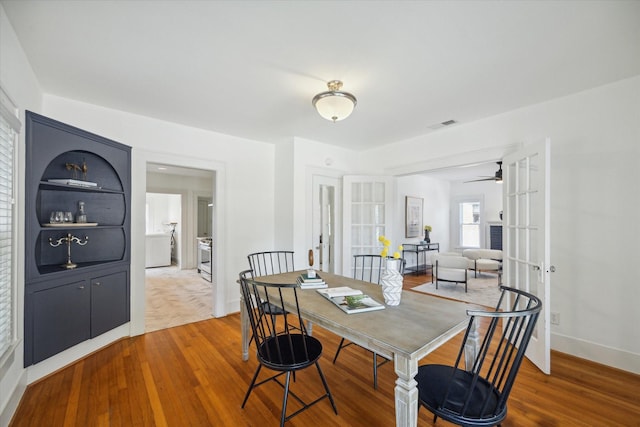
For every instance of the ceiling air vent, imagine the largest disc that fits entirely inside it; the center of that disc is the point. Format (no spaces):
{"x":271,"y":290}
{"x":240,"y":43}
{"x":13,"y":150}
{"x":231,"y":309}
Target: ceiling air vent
{"x":443,"y":124}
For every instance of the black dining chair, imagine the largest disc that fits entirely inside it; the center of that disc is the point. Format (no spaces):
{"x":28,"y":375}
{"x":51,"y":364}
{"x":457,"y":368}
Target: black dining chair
{"x":476,"y":395}
{"x":368,"y":268}
{"x":271,"y":262}
{"x":267,"y":263}
{"x":284,"y":350}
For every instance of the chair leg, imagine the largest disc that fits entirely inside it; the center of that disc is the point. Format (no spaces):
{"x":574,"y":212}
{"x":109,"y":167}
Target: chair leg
{"x":253,"y":381}
{"x":338,"y":351}
{"x":326,"y":387}
{"x":284,"y":400}
{"x":375,"y":370}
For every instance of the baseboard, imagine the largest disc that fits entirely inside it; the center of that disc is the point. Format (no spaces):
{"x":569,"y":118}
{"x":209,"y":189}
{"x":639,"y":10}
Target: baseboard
{"x":232,"y":306}
{"x":14,"y":400}
{"x":598,"y":353}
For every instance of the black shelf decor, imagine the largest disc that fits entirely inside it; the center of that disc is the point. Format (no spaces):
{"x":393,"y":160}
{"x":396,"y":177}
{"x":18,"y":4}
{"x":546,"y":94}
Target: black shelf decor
{"x":77,"y":283}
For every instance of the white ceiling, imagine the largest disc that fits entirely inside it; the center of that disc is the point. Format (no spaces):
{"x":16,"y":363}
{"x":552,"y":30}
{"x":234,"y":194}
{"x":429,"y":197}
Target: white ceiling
{"x":250,"y":68}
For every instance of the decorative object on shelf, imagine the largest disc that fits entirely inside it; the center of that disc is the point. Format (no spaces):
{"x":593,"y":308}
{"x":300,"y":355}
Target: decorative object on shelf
{"x":413,"y":216}
{"x":68,"y":239}
{"x":73,"y":182}
{"x":68,"y":217}
{"x":81,"y":218}
{"x":75,"y":168}
{"x":500,"y":215}
{"x":334,"y":104}
{"x":391,"y":279}
{"x":57,"y":217}
{"x":427,"y":230}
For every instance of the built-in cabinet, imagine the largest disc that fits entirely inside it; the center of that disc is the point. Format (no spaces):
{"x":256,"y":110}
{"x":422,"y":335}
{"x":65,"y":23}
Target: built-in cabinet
{"x":77,"y":283}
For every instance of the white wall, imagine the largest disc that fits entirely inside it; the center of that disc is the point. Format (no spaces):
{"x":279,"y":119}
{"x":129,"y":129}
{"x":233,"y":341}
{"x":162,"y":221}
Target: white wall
{"x":163,"y":209}
{"x":435,"y":195}
{"x":595,"y":143}
{"x":20,"y":83}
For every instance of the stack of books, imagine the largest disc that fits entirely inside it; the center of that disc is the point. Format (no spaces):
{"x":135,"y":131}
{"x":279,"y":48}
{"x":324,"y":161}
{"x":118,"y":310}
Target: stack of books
{"x":307,"y":282}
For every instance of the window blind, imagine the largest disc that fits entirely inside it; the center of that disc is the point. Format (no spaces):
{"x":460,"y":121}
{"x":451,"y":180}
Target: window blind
{"x":9,"y":128}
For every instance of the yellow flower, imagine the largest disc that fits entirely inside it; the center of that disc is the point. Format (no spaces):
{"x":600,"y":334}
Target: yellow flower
{"x":427,"y":228}
{"x":385,"y":248}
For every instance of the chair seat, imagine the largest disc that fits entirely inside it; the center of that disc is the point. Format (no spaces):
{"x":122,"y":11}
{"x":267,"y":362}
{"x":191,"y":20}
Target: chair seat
{"x":288,"y":352}
{"x":433,"y":381}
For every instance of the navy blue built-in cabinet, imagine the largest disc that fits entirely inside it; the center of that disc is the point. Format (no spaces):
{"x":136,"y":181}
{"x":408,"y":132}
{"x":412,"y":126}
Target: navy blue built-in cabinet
{"x":65,"y":306}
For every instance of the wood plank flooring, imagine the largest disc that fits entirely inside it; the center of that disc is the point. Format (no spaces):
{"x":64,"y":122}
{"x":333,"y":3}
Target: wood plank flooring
{"x":193,"y":375}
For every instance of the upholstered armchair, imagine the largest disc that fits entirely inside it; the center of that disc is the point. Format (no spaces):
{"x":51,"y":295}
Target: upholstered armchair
{"x":480,"y":260}
{"x":449,"y":267}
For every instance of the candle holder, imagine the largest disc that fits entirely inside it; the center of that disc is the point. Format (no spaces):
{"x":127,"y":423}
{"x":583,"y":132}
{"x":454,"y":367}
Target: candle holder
{"x":68,"y":239}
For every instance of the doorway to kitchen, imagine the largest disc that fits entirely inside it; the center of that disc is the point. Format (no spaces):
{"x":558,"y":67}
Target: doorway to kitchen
{"x":179,"y":209}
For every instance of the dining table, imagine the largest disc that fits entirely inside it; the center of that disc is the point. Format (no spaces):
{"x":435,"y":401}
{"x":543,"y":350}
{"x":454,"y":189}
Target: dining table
{"x":404,"y":333}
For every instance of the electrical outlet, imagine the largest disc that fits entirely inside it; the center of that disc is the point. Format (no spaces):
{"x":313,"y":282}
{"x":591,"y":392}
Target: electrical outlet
{"x":555,"y":318}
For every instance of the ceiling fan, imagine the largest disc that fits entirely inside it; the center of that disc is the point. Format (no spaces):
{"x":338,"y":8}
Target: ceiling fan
{"x":497,"y":177}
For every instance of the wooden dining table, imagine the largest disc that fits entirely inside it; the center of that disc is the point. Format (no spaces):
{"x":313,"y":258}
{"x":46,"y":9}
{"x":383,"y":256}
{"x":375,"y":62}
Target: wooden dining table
{"x":404,"y":333}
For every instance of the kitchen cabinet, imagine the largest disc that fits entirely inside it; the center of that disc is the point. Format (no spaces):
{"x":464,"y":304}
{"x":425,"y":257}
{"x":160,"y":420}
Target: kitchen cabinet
{"x":76,"y":274}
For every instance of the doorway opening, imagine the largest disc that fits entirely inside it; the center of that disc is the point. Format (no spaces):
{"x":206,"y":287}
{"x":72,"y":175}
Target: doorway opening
{"x":179,"y":205}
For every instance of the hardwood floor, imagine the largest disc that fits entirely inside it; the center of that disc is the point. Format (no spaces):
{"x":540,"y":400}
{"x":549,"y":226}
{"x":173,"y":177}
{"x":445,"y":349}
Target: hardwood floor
{"x":193,"y":375}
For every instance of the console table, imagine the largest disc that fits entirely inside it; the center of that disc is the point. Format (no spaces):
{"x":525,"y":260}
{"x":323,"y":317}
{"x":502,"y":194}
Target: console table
{"x":420,"y":250}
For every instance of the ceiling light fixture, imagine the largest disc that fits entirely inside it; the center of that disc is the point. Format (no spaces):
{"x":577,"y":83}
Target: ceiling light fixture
{"x":334,"y":104}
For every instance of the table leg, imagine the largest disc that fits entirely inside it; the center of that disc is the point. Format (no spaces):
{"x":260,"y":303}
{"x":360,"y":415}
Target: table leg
{"x":406,"y":391}
{"x":244,"y":329}
{"x":471,"y":347}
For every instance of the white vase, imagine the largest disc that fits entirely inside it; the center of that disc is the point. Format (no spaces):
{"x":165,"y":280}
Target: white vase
{"x":391,"y":282}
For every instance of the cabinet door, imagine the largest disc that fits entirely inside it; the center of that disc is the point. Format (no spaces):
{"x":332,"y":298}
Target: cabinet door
{"x":60,"y":318}
{"x":109,"y":302}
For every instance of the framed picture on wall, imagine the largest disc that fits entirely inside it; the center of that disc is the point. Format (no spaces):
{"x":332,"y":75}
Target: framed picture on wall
{"x":413,"y":216}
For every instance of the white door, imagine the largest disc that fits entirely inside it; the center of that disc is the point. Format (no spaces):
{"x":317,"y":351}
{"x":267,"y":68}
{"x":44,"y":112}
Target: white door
{"x":526,"y":237}
{"x":367,"y":215}
{"x":326,"y":223}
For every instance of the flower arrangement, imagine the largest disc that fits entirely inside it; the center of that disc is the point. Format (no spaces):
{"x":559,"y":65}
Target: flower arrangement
{"x":427,"y":228}
{"x":385,"y":248}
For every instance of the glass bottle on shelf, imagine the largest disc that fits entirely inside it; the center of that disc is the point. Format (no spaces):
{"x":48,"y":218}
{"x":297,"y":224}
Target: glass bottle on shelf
{"x":82,"y":216}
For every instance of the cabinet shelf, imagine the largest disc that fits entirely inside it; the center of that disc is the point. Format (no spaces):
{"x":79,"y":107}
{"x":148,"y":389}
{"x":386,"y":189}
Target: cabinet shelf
{"x":45,"y":185}
{"x":59,"y":270}
{"x":62,"y":227}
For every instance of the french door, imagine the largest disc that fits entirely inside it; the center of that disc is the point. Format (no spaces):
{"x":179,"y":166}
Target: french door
{"x":526,"y":233}
{"x":367,"y":214}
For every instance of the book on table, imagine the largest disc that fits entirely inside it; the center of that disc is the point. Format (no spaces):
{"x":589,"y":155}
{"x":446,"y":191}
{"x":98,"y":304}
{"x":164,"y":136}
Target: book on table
{"x":306,"y":282}
{"x":350,"y":300}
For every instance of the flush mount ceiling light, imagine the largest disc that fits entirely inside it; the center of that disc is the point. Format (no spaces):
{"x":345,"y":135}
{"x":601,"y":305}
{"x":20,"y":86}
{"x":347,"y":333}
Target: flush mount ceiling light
{"x":334,"y":104}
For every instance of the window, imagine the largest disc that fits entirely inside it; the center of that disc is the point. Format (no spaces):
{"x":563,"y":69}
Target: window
{"x":470,"y":224}
{"x":9,"y":128}
{"x":467,"y":222}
